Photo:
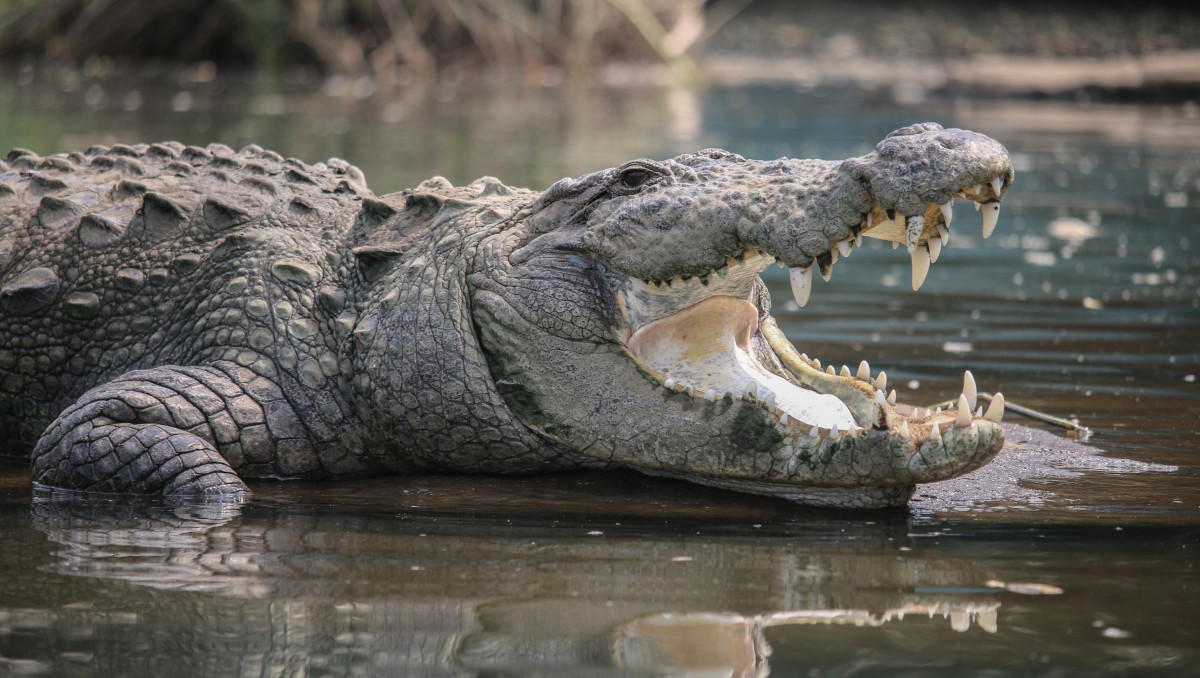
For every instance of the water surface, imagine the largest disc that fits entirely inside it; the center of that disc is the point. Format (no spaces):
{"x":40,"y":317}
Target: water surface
{"x":1084,"y":304}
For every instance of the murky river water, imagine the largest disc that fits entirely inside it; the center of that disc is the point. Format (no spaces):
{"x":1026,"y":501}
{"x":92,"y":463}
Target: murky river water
{"x":1084,"y":304}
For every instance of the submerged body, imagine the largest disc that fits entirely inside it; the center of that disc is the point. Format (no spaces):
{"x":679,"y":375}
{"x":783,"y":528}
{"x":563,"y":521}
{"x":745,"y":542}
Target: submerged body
{"x":174,"y":319}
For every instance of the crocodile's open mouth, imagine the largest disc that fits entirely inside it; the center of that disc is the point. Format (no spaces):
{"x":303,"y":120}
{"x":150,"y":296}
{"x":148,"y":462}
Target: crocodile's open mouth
{"x":705,"y":336}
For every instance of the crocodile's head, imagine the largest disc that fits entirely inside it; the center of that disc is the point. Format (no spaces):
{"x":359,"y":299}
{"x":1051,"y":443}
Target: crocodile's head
{"x":623,"y":317}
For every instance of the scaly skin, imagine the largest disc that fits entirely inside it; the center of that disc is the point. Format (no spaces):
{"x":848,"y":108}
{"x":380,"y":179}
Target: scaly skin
{"x":175,"y":319}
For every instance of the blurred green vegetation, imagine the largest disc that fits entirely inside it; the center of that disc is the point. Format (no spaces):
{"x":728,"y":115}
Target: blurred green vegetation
{"x":390,"y":40}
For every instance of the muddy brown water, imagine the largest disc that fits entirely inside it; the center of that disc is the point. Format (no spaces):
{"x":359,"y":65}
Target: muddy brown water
{"x":1054,"y":561}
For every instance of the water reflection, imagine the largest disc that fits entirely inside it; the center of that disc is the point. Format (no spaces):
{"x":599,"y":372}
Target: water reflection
{"x":287,"y":593}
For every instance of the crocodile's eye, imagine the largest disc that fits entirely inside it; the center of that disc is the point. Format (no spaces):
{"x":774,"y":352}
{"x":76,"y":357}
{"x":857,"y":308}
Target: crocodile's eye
{"x":634,"y":177}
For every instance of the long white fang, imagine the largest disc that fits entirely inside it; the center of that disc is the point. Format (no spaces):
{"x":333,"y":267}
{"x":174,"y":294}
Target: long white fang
{"x":969,"y":391}
{"x":944,"y":233}
{"x":990,"y":216}
{"x":995,"y":411}
{"x":947,"y":211}
{"x":833,"y":257}
{"x":963,"y":419}
{"x":913,"y":231}
{"x":920,"y":266}
{"x":997,"y":184}
{"x":935,"y":248}
{"x":864,"y":371}
{"x":844,"y":247}
{"x":801,"y":284}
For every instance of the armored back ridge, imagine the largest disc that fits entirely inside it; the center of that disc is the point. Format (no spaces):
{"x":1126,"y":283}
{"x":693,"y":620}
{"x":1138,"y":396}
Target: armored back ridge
{"x":175,"y":319}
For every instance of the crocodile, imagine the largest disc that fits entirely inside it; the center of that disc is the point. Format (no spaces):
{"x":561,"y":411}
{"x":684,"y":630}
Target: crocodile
{"x":177,"y":319}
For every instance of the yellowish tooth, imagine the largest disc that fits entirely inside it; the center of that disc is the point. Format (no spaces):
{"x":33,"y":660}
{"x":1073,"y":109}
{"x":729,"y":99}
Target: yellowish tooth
{"x":881,"y":381}
{"x":833,"y":257}
{"x":891,"y":399}
{"x":947,"y":210}
{"x":830,"y":370}
{"x":935,"y":248}
{"x":816,"y":363}
{"x":969,"y":390}
{"x":903,"y":430}
{"x":991,"y":215}
{"x":844,"y":372}
{"x":995,"y":411}
{"x":936,"y":433}
{"x":944,"y":233}
{"x":864,"y":371}
{"x":801,"y":284}
{"x":920,"y":266}
{"x":963,"y":419}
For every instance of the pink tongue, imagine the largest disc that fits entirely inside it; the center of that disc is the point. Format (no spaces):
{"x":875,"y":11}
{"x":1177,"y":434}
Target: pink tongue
{"x":707,"y":346}
{"x":697,"y":334}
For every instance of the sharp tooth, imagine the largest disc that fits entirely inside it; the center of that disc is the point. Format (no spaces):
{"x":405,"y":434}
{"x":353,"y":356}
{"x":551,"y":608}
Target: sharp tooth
{"x":669,"y":383}
{"x":816,"y":363}
{"x":829,"y":370}
{"x":769,"y":402}
{"x":990,"y":216}
{"x":880,"y":398}
{"x":920,"y":267}
{"x":937,"y":411}
{"x":935,"y":248}
{"x":881,"y":411}
{"x":891,"y":400}
{"x":864,"y":371}
{"x":783,"y":418}
{"x":997,"y":184}
{"x":881,"y":381}
{"x":895,"y":244}
{"x":801,"y":284}
{"x":963,"y":419}
{"x":903,"y":430}
{"x":936,"y":433}
{"x":833,"y":432}
{"x":870,"y":219}
{"x":969,"y":390}
{"x":978,"y":189}
{"x":827,"y":271}
{"x":947,"y":210}
{"x":751,"y":389}
{"x":944,"y":233}
{"x":844,"y":372}
{"x":979,"y":411}
{"x":814,"y":433}
{"x":913,"y":231}
{"x":858,"y":239}
{"x":844,"y":247}
{"x":977,"y":206}
{"x":995,"y":411}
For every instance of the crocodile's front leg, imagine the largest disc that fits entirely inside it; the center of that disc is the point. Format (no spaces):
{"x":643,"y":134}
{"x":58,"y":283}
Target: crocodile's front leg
{"x":178,"y":431}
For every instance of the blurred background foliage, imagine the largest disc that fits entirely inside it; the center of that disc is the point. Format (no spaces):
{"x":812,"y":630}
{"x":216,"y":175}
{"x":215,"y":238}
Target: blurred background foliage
{"x":392,"y":41}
